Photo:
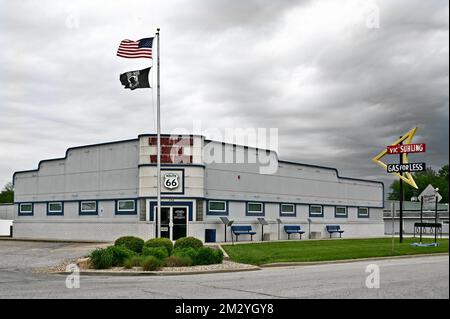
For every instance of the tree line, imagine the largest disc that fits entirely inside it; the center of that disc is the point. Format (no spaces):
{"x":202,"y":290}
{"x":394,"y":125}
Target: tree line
{"x":7,"y":194}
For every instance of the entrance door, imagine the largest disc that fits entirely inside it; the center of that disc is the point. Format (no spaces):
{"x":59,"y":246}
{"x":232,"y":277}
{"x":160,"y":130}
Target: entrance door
{"x":179,"y":222}
{"x":173,"y":222}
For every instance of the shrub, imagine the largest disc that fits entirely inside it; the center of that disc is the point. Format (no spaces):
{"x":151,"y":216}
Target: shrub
{"x":151,"y":263}
{"x":188,"y":242}
{"x":219,"y":256}
{"x":178,"y":261}
{"x":208,"y":256}
{"x":160,"y":242}
{"x":190,"y":253}
{"x":120,"y":254}
{"x":158,"y":252}
{"x":134,"y":261}
{"x":132,"y":243}
{"x":127,"y":264}
{"x":101,"y":258}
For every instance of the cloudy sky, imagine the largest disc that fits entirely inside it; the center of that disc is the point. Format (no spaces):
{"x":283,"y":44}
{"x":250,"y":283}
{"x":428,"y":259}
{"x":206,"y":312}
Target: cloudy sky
{"x":339,"y":79}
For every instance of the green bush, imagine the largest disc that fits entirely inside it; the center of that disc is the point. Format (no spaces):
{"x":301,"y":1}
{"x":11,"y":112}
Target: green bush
{"x":120,"y":254}
{"x":132,"y":243}
{"x":186,"y":253}
{"x":151,"y":263}
{"x":178,"y":261}
{"x":127,"y":264}
{"x":102,"y":258}
{"x":158,"y":252}
{"x":134,"y":261}
{"x":208,"y":256}
{"x":188,"y":242}
{"x":160,"y":242}
{"x":219,"y":256}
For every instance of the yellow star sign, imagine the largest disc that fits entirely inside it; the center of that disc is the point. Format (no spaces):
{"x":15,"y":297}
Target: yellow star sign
{"x":408,"y":178}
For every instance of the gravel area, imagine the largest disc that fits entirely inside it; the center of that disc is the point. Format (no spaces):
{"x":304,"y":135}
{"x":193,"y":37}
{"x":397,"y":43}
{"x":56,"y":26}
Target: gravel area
{"x":57,"y":268}
{"x":224,"y":266}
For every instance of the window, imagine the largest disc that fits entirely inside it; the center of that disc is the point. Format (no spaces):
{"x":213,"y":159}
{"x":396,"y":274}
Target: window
{"x":55,"y":208}
{"x":341,"y":211}
{"x":26,"y":209}
{"x":88,"y":207}
{"x":315,"y":211}
{"x":255,"y":209}
{"x":126,"y":206}
{"x":363,"y":212}
{"x":287,"y":210}
{"x":216,"y":206}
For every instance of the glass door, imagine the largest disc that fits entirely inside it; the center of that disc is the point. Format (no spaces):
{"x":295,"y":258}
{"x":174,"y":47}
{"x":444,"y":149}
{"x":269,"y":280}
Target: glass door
{"x":165,"y":222}
{"x":173,"y":222}
{"x":179,"y":220}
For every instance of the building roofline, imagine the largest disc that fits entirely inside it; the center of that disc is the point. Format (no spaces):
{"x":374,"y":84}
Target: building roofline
{"x":165,"y":135}
{"x":206,"y":140}
{"x":67,"y":153}
{"x":299,"y":163}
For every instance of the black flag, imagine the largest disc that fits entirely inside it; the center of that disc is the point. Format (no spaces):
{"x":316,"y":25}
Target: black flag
{"x":135,"y":79}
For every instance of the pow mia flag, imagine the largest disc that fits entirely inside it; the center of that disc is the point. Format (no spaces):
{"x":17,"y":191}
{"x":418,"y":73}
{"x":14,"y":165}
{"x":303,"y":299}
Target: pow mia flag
{"x":135,"y":79}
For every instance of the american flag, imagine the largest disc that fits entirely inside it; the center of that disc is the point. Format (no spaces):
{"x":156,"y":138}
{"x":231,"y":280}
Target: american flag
{"x":135,"y":49}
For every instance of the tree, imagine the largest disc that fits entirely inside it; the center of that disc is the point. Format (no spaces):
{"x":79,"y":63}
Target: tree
{"x":443,"y":183}
{"x":7,"y":194}
{"x":423,"y":179}
{"x":443,"y":172}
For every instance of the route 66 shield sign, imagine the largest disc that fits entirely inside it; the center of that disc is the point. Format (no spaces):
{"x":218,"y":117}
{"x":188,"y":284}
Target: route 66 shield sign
{"x":171,"y":180}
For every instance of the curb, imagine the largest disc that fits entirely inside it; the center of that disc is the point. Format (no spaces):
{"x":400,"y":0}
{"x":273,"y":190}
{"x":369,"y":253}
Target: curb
{"x":225,"y":255}
{"x":153,"y":273}
{"x":229,"y":243}
{"x":343,"y":261}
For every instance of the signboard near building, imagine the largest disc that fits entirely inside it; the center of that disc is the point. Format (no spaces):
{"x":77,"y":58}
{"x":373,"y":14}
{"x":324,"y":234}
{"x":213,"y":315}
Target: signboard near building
{"x":429,"y":194}
{"x":406,"y":148}
{"x":403,"y":169}
{"x":407,"y":167}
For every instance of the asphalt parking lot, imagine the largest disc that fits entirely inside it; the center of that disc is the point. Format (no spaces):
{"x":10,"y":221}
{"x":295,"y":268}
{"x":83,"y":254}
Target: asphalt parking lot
{"x":418,"y":277}
{"x":26,"y":255}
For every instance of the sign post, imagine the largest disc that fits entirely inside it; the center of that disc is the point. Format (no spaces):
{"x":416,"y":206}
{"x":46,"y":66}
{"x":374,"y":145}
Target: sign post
{"x":421,"y":218}
{"x":435,"y":217}
{"x":402,"y":197}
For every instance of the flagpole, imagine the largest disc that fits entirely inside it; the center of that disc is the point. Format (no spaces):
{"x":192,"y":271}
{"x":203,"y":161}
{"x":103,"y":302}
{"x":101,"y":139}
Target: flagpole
{"x":158,"y":132}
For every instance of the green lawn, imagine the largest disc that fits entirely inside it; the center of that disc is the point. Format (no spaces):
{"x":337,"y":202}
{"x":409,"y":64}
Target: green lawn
{"x":321,"y":250}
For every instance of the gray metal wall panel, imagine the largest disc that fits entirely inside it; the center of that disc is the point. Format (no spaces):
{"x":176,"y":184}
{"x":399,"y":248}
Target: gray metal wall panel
{"x":290,"y":183}
{"x":7,"y":211}
{"x":91,"y":172}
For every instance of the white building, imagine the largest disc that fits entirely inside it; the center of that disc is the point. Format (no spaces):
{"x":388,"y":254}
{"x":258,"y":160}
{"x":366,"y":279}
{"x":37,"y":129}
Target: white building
{"x":103,"y":191}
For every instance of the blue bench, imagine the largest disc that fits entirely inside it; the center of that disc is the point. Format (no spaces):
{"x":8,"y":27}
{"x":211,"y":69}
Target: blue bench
{"x":243,"y":230}
{"x":293,"y":229}
{"x":334,"y":229}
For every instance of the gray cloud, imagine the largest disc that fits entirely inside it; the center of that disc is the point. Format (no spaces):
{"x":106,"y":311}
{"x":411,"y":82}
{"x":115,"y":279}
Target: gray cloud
{"x":337,"y":91}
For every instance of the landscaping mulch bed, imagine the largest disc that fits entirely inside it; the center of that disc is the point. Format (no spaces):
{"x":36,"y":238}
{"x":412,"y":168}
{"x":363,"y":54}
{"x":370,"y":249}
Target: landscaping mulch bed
{"x":226,"y":265}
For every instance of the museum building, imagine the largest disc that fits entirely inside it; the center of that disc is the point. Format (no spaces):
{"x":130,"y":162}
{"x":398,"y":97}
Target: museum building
{"x":103,"y":191}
